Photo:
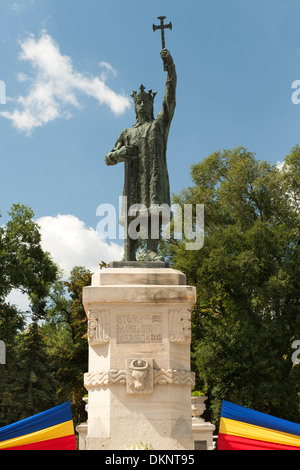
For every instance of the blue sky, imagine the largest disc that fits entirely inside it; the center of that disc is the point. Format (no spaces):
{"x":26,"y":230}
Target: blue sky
{"x":69,"y":67}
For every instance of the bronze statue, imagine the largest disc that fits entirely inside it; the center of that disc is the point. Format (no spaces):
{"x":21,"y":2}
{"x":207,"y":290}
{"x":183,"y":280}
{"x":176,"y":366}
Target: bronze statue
{"x":143,"y":149}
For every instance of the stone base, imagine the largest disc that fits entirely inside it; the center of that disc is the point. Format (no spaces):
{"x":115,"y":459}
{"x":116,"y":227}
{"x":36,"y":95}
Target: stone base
{"x":154,"y":420}
{"x":82,"y":430}
{"x":139,"y":379}
{"x":203,"y":434}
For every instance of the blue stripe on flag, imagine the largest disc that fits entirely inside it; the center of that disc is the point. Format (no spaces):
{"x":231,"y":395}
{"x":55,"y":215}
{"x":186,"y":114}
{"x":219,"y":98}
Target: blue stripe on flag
{"x":246,"y":415}
{"x":57,"y":415}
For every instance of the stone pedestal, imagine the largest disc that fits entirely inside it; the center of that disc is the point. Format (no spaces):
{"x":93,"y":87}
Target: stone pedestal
{"x":139,"y":380}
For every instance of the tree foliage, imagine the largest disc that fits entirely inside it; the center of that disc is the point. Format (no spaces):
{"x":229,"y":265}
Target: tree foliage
{"x":24,"y":264}
{"x":247,"y":278}
{"x":66,"y":337}
{"x":247,"y":312}
{"x":26,"y":383}
{"x":47,"y":350}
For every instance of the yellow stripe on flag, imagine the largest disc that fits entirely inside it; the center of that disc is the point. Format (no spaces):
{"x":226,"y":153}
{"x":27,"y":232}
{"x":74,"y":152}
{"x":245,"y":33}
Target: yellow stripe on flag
{"x":250,"y":431}
{"x":59,"y":430}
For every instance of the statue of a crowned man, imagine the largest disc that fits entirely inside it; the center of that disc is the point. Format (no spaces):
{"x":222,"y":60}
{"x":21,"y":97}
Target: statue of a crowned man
{"x":144,"y":145}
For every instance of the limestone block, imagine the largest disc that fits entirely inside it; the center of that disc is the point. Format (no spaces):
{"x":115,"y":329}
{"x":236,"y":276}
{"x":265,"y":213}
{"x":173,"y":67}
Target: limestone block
{"x":139,"y":379}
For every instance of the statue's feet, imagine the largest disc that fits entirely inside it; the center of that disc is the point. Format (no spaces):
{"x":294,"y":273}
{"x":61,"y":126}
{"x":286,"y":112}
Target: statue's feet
{"x":153,"y":256}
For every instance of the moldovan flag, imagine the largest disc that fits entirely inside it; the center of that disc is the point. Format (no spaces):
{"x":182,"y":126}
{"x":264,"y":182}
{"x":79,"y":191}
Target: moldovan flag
{"x":50,"y":430}
{"x":245,"y":429}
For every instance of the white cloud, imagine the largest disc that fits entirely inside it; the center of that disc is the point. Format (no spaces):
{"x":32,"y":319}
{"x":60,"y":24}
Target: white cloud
{"x":71,"y":243}
{"x":55,"y":86}
{"x":280,"y":165}
{"x":22,"y":77}
{"x":19,"y":299}
{"x":107,"y":68}
{"x":19,"y":5}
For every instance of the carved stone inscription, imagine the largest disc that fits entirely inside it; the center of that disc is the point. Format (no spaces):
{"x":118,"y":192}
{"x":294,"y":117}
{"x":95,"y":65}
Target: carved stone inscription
{"x":139,"y":328}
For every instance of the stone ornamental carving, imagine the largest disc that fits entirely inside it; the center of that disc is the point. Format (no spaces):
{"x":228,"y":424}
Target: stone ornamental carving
{"x":100,"y":379}
{"x":143,"y":379}
{"x":180,"y":326}
{"x":98,"y":322}
{"x":139,"y":376}
{"x":174,"y":377}
{"x":139,"y":328}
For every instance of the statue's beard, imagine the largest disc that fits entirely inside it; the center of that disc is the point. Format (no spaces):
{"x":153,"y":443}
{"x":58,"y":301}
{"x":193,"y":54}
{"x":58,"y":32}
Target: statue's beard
{"x":144,"y":117}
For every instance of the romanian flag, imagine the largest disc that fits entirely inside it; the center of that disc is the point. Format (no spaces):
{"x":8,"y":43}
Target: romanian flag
{"x":245,"y":429}
{"x":50,"y":430}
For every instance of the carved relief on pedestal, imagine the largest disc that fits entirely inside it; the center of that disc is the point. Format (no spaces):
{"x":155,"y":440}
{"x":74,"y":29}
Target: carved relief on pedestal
{"x":174,"y":377}
{"x":98,"y":323}
{"x":180,"y":326}
{"x":139,"y":328}
{"x":139,"y":376}
{"x":101,"y":379}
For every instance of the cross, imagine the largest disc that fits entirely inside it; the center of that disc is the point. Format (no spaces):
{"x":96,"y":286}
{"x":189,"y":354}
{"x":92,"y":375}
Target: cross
{"x":127,"y":187}
{"x":162,"y":27}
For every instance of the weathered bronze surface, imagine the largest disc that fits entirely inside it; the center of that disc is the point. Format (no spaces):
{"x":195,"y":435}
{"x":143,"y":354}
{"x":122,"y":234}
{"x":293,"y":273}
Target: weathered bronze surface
{"x":143,"y":149}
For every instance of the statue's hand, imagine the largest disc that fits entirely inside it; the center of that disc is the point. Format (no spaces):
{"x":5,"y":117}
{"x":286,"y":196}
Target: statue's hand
{"x":166,"y":56}
{"x":127,"y":152}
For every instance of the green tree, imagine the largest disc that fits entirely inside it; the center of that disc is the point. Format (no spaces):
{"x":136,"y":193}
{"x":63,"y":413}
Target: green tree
{"x":35,"y":385}
{"x":247,"y":278}
{"x":11,"y":323}
{"x":66,"y":336}
{"x":24,"y":265}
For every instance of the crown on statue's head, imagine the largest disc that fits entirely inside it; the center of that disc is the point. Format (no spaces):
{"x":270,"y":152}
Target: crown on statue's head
{"x":143,"y":94}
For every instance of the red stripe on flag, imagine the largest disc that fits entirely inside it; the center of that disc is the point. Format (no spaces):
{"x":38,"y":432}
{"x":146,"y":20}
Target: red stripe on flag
{"x":60,"y":443}
{"x":229,"y":442}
